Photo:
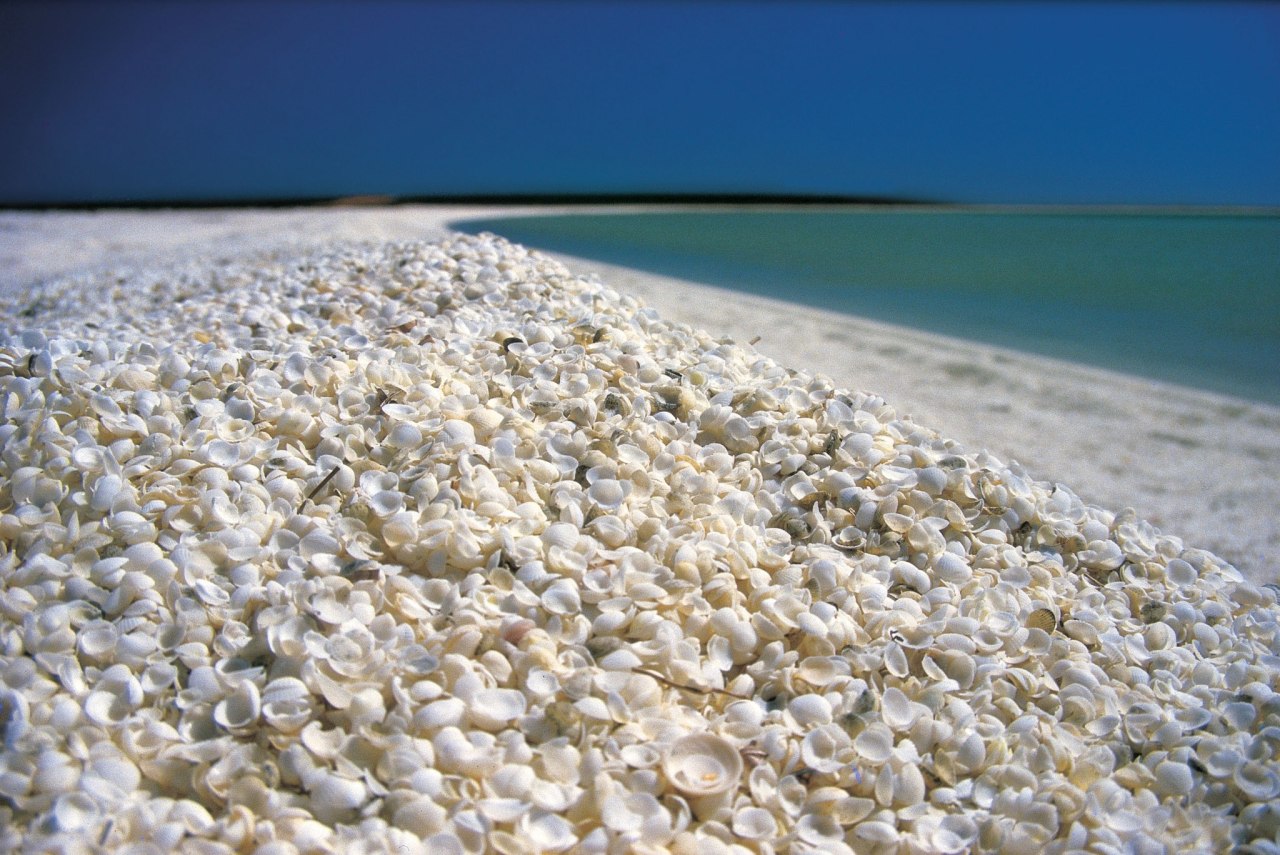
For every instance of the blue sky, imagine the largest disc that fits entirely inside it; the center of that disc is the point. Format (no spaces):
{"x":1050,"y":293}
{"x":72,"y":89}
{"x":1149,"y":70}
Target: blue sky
{"x":994,"y":103}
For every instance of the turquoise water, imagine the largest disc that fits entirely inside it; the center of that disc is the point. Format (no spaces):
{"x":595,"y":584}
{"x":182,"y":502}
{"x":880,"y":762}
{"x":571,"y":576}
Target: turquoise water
{"x":1188,"y":298}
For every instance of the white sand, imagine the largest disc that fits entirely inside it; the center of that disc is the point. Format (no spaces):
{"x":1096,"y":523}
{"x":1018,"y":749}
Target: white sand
{"x":1203,"y":467}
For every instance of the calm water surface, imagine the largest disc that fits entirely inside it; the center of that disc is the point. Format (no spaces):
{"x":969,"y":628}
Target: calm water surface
{"x":1188,"y":298}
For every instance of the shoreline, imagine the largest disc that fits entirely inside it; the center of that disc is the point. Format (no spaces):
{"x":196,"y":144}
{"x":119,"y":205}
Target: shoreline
{"x":1200,"y":466}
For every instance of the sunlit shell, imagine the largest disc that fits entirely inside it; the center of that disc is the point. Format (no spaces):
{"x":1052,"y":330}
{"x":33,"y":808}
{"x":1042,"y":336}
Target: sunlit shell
{"x":386,"y":503}
{"x":106,"y":707}
{"x":562,"y":535}
{"x":335,"y":798}
{"x":874,"y":744}
{"x":754,"y":823}
{"x":949,"y":567}
{"x":1180,"y":573}
{"x":240,"y":709}
{"x":99,"y":640}
{"x":609,"y":493}
{"x":546,"y":831}
{"x":824,"y":748}
{"x":810,"y":710}
{"x":702,"y":764}
{"x":493,"y":709}
{"x":562,"y":598}
{"x":819,"y":830}
{"x":896,"y":709}
{"x":404,"y":435}
{"x":74,"y":812}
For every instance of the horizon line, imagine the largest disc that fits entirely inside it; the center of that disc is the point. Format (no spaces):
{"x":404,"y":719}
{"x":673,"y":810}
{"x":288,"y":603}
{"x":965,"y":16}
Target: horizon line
{"x":629,"y":199}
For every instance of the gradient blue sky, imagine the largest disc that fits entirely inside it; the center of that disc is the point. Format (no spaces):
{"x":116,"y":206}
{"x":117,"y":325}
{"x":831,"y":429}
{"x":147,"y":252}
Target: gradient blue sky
{"x":968,"y":102}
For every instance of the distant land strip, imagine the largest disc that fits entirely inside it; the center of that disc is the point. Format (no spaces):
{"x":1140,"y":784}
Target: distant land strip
{"x":495,"y":199}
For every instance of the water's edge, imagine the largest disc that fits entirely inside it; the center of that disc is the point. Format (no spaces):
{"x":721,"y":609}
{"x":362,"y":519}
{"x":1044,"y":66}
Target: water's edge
{"x":1186,"y":299}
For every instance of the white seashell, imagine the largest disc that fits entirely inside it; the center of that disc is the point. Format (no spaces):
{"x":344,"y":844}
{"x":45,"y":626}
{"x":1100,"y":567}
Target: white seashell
{"x":386,"y":503}
{"x":158,"y":677}
{"x":404,"y":435}
{"x":823,"y":748}
{"x":641,"y":756}
{"x":55,"y":773}
{"x":400,"y":529}
{"x":1173,"y":779}
{"x":908,"y":785}
{"x":493,"y":709}
{"x":702,"y":764}
{"x":951,"y":568}
{"x":447,"y":712}
{"x":239,"y":710}
{"x":851,"y":809}
{"x":75,"y":812}
{"x":105,"y":491}
{"x":221,"y":453}
{"x":1180,"y":573}
{"x":563,"y":535}
{"x":98,"y":640}
{"x":456,"y":433}
{"x":211,"y":593}
{"x":562,"y":598}
{"x":810,"y":710}
{"x":874,"y":744}
{"x":896,"y":710}
{"x":503,"y":809}
{"x":334,"y":798}
{"x":609,"y":493}
{"x":819,"y":830}
{"x":876,"y":831}
{"x":420,"y":816}
{"x":546,"y":832}
{"x":1239,"y":715}
{"x":972,"y":752}
{"x":110,"y":778}
{"x":1257,"y":781}
{"x":754,"y":823}
{"x":106,"y":708}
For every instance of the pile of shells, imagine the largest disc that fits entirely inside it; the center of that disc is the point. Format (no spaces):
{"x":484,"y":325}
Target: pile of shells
{"x":436,"y":548}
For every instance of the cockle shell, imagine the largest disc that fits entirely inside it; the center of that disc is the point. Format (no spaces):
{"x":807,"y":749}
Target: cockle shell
{"x":702,"y":764}
{"x":1043,"y":619}
{"x":240,"y":710}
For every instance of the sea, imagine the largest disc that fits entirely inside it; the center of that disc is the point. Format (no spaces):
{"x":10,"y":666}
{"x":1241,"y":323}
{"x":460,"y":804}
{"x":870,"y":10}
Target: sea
{"x":1191,"y":298}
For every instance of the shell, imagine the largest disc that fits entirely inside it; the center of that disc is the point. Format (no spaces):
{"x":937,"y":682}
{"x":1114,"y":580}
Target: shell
{"x":754,"y":823}
{"x":702,"y":764}
{"x":1043,"y":619}
{"x":810,"y":710}
{"x":240,"y":710}
{"x":874,"y":744}
{"x":493,"y":709}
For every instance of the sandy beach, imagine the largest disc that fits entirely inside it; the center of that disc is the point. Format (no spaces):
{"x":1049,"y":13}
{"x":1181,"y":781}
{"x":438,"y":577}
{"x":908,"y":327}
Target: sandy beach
{"x":1199,"y":466}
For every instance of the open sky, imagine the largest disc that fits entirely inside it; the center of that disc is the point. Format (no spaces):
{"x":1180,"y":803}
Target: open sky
{"x":1101,"y":103}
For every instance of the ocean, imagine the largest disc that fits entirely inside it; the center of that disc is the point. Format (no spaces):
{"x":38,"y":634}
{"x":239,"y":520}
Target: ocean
{"x":1189,"y":298}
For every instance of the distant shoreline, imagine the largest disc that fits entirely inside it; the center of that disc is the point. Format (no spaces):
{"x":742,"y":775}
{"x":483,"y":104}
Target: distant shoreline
{"x":633,"y":200}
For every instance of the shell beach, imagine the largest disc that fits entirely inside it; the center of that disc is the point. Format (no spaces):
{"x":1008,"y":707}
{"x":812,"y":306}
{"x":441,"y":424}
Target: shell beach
{"x":438,"y":547}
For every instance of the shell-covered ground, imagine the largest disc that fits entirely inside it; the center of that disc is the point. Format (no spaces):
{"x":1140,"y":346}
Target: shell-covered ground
{"x":438,"y":548}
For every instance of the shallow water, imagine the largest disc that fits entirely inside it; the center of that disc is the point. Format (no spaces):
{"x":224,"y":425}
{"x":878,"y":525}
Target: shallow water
{"x":1187,"y":298}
